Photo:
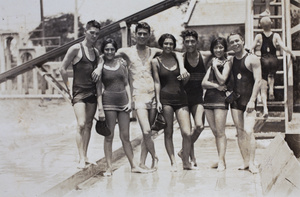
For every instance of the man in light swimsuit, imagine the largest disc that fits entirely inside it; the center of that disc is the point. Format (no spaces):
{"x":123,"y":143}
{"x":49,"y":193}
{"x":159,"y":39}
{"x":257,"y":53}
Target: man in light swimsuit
{"x":246,"y":70}
{"x":84,"y":58}
{"x":142,"y":86}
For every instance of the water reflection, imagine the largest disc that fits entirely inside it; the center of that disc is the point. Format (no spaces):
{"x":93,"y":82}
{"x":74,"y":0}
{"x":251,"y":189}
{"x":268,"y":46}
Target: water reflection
{"x":221,"y":181}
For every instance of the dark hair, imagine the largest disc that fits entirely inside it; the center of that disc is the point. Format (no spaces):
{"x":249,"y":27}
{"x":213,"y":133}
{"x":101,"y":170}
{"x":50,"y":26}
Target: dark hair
{"x":143,"y":25}
{"x":188,"y":32}
{"x":217,"y":41}
{"x":93,"y":23}
{"x":108,"y":41}
{"x":234,"y":33}
{"x":165,"y":36}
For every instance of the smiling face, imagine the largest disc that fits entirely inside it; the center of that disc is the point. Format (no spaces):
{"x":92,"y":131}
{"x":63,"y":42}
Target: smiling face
{"x":142,"y":36}
{"x":190,"y":44}
{"x":219,"y":50}
{"x":109,"y":51}
{"x":236,"y":43}
{"x":168,"y":45}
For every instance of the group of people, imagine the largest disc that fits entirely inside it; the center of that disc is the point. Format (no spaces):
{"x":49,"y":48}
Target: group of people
{"x":151,"y":81}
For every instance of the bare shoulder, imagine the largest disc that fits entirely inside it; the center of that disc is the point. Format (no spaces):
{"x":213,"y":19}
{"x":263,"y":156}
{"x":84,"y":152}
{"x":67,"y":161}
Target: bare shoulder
{"x":75,"y":47}
{"x":205,"y":53}
{"x":154,"y":61}
{"x":252,"y":61}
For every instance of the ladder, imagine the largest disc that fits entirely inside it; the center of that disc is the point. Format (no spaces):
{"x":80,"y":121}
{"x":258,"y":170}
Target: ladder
{"x":280,"y":110}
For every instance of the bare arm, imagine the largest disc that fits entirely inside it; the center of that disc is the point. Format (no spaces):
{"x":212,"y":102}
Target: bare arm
{"x":221,"y":77}
{"x":154,"y":65}
{"x":128,"y":92}
{"x":67,"y":61}
{"x":206,"y":84}
{"x":282,"y":46}
{"x":101,"y":113}
{"x":256,"y":70}
{"x":257,"y":40}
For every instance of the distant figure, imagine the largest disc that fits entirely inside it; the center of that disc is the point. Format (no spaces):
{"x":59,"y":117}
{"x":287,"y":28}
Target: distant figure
{"x":171,"y":98}
{"x":84,"y":59}
{"x":215,"y":106}
{"x":267,"y":12}
{"x":195,"y":63}
{"x":142,"y":86}
{"x":269,"y":61}
{"x":246,"y":70}
{"x":116,"y":102}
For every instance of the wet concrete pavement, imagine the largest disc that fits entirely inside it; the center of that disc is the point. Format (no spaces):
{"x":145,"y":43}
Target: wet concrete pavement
{"x":202,"y":182}
{"x":38,"y":152}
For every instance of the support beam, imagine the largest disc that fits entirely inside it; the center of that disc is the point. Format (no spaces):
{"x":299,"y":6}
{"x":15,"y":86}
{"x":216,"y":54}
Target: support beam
{"x":107,"y":30}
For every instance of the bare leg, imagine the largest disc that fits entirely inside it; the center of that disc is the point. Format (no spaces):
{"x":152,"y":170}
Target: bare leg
{"x":84,"y":114}
{"x":168,"y":135}
{"x":143,"y":117}
{"x":263,"y":92}
{"x":246,"y":138}
{"x":249,"y":124}
{"x":111,"y":117}
{"x":271,"y":86}
{"x":198,"y":115}
{"x":183,"y":118}
{"x":217,"y":120}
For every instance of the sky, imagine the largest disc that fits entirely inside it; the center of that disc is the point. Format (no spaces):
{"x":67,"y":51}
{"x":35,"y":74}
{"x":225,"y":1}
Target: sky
{"x":25,"y":15}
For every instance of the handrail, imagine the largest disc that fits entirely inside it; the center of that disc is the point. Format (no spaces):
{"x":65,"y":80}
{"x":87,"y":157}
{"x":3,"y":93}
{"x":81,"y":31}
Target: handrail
{"x":134,"y":18}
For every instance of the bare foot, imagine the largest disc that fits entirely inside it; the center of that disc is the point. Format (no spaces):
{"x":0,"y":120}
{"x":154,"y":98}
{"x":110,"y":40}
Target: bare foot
{"x":244,"y":167}
{"x":87,"y":161}
{"x":143,"y":166}
{"x":221,"y":166}
{"x":108,"y":173}
{"x":140,"y":170}
{"x":81,"y":164}
{"x":215,"y":165}
{"x":253,"y":169}
{"x":173,"y":168}
{"x":271,"y":97}
{"x":265,"y":114}
{"x":194,"y":163}
{"x":190,"y":167}
{"x":154,"y":163}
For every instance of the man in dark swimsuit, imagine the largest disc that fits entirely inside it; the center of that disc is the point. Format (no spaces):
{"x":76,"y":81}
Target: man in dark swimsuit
{"x":246,"y":71}
{"x":194,"y":63}
{"x":84,"y":58}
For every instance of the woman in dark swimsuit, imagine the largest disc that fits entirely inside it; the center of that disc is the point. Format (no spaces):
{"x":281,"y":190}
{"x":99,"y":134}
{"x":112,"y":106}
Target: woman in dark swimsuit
{"x":215,"y":105}
{"x":171,"y":97}
{"x":115,"y":103}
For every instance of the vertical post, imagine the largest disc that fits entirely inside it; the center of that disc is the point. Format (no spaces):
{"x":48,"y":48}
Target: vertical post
{"x":42,"y":21}
{"x":124,"y":32}
{"x":76,"y":21}
{"x":2,"y":60}
{"x":8,"y":62}
{"x":249,"y":24}
{"x":290,"y":82}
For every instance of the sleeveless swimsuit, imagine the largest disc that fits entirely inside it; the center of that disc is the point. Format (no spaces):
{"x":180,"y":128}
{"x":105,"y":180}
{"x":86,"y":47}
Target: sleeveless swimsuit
{"x":114,"y":96}
{"x":214,"y":98}
{"x":172,"y":92}
{"x":193,"y":87}
{"x":243,"y":83}
{"x":141,"y":80}
{"x":269,"y":60}
{"x":84,"y":89}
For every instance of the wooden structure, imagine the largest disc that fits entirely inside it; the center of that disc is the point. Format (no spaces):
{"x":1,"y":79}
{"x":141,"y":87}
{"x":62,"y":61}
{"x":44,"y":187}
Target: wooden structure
{"x":280,"y":110}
